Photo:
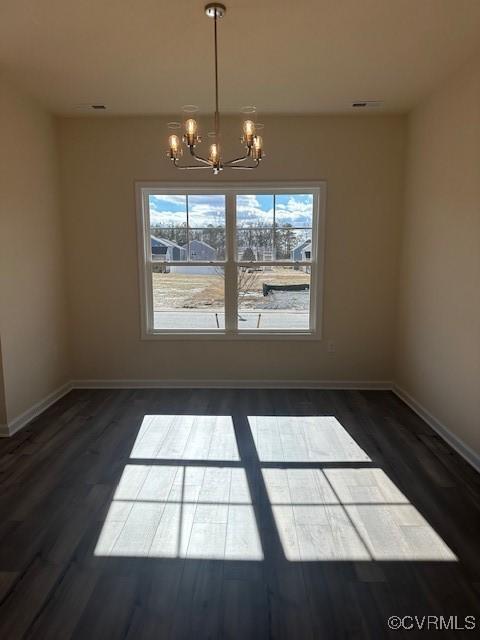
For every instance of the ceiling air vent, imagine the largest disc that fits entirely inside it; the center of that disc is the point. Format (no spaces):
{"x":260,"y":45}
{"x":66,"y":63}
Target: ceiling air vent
{"x":89,"y":107}
{"x":367,"y":104}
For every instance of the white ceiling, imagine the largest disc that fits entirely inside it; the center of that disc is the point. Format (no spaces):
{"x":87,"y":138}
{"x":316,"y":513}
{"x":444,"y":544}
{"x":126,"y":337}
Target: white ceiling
{"x":295,"y":56}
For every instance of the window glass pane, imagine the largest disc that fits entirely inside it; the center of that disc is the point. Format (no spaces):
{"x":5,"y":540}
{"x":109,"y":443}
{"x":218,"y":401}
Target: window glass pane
{"x":205,"y":237}
{"x":207,"y":244}
{"x":168,"y":227}
{"x":254,"y":211}
{"x":188,"y":297}
{"x":293,"y":244}
{"x":255,"y":243}
{"x":294,"y":209}
{"x":206,"y":211}
{"x":206,"y":222}
{"x":273,"y":298}
{"x":255,"y":227}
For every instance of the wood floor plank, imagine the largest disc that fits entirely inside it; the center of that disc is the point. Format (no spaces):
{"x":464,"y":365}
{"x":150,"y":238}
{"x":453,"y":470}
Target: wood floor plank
{"x":61,"y":613}
{"x":156,"y":598}
{"x":245,"y":610}
{"x":23,"y":602}
{"x":110,"y":608}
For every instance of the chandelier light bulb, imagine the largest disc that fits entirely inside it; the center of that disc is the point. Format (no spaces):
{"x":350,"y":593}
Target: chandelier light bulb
{"x":174,"y":142}
{"x":214,"y":153}
{"x":257,"y":147}
{"x":191,"y":127}
{"x":191,"y":132}
{"x":249,"y":128}
{"x":175,"y":148}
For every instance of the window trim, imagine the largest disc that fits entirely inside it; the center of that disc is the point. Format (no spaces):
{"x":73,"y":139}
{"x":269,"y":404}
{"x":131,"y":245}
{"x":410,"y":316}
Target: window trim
{"x":230,"y":189}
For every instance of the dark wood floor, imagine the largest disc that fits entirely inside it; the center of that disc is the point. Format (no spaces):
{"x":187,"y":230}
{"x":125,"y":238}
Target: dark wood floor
{"x":300,"y":514}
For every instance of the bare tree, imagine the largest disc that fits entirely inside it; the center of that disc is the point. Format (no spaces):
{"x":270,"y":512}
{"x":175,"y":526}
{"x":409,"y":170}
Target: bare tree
{"x":248,"y":255}
{"x":247,"y":280}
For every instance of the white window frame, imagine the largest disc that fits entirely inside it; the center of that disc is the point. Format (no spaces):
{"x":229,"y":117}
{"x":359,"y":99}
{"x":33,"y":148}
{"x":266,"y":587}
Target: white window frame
{"x":231,"y":332}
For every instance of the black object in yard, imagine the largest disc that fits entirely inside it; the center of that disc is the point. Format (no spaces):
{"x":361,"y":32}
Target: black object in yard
{"x":284,"y":287}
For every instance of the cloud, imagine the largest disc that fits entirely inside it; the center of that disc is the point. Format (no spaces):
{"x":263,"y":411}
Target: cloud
{"x":202,"y":215}
{"x":252,"y":210}
{"x":199,"y":216}
{"x":158,"y":202}
{"x":250,"y":201}
{"x":295,"y":210}
{"x":203,"y":210}
{"x":295,"y":205}
{"x":167,"y":218}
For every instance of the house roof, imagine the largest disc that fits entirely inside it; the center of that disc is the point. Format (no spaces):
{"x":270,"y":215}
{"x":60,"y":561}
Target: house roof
{"x":302,"y":245}
{"x":205,"y":244}
{"x":163,"y":242}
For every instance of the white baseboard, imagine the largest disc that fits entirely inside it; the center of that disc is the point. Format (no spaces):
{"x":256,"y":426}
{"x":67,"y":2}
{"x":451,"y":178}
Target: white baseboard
{"x":454,"y":441}
{"x":22,"y":420}
{"x":231,"y":384}
{"x":471,"y":456}
{"x":39,"y":407}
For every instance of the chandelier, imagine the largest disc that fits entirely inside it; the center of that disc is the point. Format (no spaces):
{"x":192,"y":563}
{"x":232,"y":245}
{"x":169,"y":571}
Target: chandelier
{"x":252,"y":141}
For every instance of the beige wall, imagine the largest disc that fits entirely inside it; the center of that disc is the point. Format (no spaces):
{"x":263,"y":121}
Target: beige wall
{"x":439,"y":312}
{"x":3,"y":406}
{"x":32,"y":291}
{"x":361,"y":158}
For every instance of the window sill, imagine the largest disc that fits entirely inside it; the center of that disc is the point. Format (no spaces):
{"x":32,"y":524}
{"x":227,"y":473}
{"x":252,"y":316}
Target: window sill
{"x":222,"y":335}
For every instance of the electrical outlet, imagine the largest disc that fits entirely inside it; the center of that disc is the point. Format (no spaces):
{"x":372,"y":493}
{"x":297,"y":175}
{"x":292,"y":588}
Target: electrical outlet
{"x":331,"y":346}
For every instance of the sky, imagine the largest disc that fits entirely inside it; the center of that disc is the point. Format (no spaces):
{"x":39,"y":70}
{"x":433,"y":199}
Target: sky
{"x":205,"y":210}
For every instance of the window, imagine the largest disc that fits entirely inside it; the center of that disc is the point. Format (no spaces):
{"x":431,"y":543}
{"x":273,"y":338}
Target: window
{"x":234,"y":261}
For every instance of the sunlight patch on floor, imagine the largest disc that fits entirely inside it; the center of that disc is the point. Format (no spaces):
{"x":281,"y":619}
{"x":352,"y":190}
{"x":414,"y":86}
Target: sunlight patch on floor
{"x":181,"y":512}
{"x":186,"y":494}
{"x":186,"y":437}
{"x":304,"y":439}
{"x":348,"y":514}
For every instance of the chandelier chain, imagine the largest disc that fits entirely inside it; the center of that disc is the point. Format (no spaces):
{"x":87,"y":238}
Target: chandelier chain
{"x":217,"y":115}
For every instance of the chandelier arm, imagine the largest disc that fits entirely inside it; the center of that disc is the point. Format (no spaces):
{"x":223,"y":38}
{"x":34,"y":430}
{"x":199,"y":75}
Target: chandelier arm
{"x":257,"y":163}
{"x":200,"y":159}
{"x":191,"y":166}
{"x":229,"y":163}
